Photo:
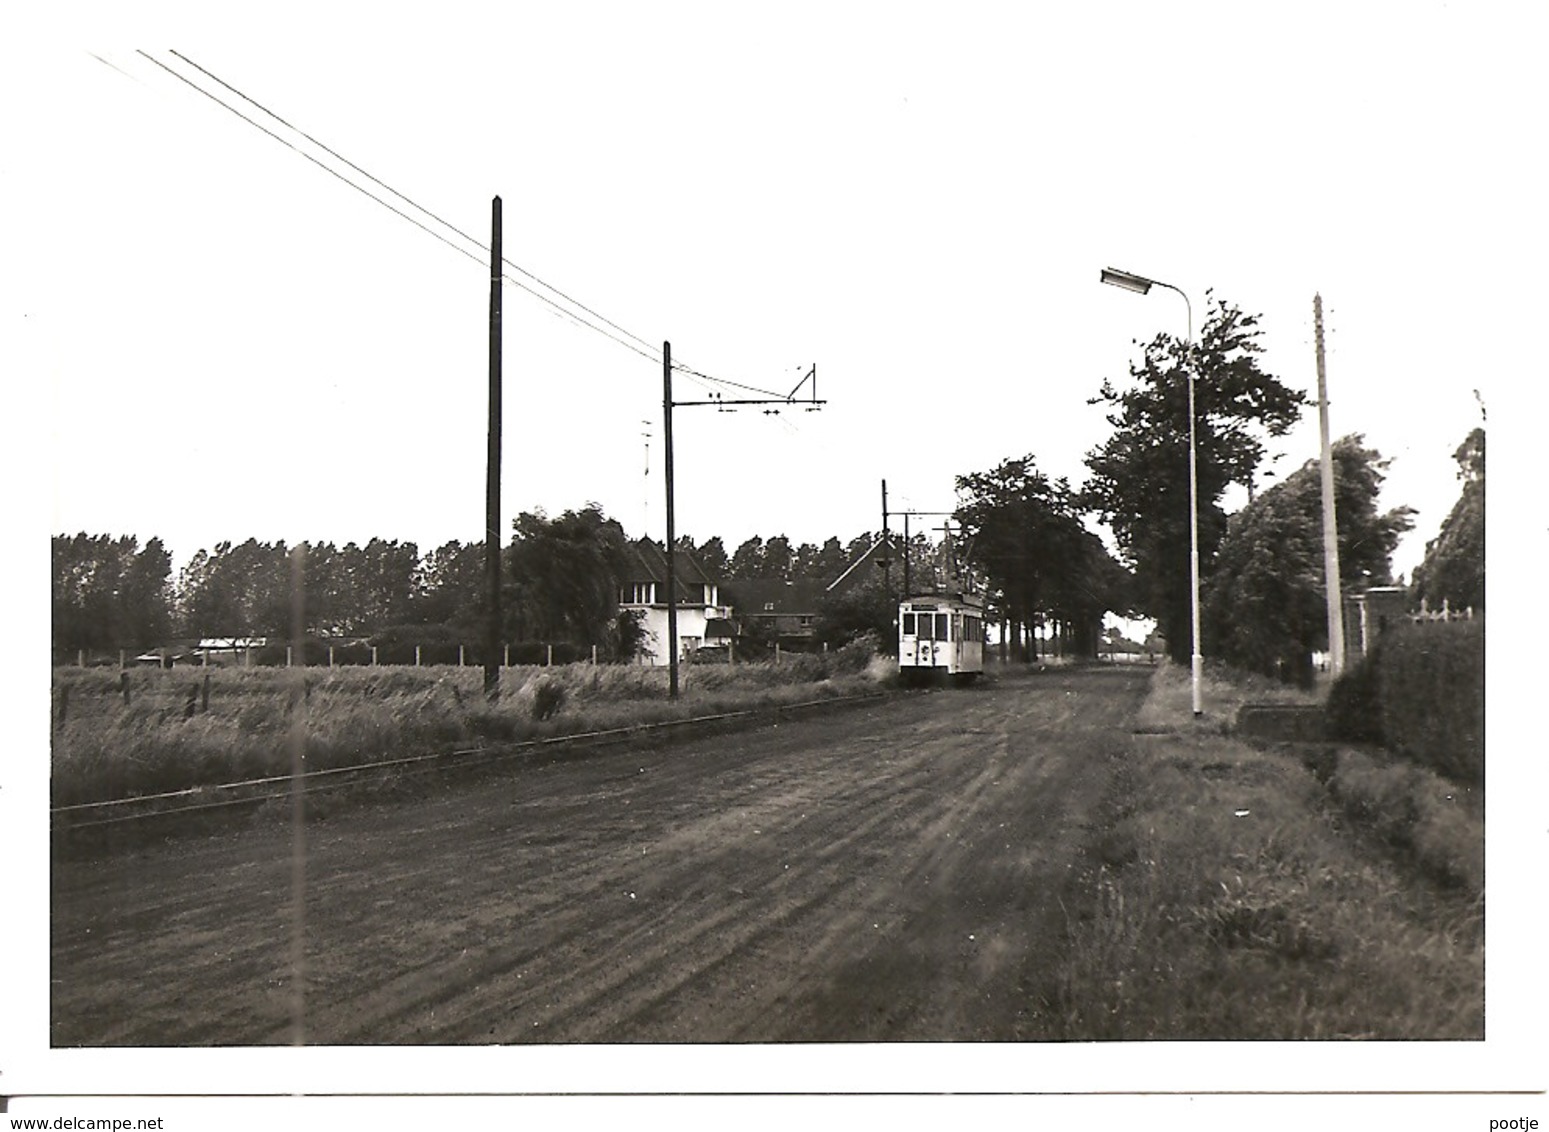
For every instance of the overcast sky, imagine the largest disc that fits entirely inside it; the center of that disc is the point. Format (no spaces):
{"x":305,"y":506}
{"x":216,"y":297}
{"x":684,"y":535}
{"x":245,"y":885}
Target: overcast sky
{"x":235,"y":343}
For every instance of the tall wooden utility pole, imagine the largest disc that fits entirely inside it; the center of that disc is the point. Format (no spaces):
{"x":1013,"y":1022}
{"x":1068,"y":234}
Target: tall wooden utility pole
{"x":492,"y":479}
{"x":887,"y":548}
{"x":672,"y":534}
{"x":1336,"y":620}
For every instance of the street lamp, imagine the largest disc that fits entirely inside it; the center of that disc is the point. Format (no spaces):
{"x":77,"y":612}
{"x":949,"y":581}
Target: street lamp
{"x":1141,"y":285}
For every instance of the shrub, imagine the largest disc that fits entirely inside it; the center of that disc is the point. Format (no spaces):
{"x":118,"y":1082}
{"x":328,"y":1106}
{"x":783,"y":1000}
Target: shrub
{"x":1431,"y":689}
{"x":1354,"y":712}
{"x":548,"y":696}
{"x":1417,"y":812}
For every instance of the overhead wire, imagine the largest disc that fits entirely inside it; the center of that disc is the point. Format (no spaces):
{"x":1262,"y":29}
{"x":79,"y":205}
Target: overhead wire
{"x":561,"y":311}
{"x":412,"y":203}
{"x":629,"y":340}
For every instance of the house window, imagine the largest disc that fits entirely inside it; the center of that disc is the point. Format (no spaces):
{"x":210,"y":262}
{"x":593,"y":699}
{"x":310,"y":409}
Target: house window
{"x":637,"y":594}
{"x":768,"y":607}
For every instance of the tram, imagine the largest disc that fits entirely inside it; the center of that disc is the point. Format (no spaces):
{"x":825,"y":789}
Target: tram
{"x":941,"y":637}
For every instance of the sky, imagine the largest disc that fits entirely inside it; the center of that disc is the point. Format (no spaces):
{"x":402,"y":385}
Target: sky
{"x":228,"y":341}
{"x":208,"y":336}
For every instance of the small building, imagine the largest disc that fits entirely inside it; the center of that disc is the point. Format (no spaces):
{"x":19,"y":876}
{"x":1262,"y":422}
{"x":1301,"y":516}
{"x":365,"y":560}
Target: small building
{"x":228,"y":650}
{"x":782,"y":611}
{"x":1369,"y":613}
{"x":702,"y":619}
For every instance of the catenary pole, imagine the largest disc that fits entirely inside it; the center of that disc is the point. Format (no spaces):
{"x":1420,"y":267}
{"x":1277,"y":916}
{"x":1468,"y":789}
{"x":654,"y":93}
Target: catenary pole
{"x":672,"y":534}
{"x":492,"y":477}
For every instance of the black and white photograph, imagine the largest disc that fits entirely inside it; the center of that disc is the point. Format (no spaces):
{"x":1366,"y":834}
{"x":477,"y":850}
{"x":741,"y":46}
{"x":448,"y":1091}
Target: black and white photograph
{"x":774,"y":563}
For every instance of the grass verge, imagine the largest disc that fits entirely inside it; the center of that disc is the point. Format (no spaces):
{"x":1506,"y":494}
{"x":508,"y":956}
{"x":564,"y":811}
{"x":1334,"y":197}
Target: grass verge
{"x":172,"y":731}
{"x":1227,"y":896}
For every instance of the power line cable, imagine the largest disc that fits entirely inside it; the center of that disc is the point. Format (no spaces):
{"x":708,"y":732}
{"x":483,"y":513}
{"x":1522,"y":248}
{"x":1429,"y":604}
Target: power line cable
{"x":297,"y":149}
{"x":399,"y":212}
{"x":648,"y":351}
{"x":407,"y":200}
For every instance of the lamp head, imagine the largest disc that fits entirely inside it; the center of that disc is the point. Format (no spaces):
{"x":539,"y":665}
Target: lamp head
{"x":1126,"y":279}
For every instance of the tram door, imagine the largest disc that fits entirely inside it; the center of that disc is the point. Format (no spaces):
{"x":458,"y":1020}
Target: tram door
{"x":931,"y":635}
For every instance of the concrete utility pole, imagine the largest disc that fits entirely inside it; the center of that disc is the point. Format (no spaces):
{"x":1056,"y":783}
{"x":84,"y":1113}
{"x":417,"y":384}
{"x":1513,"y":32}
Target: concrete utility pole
{"x":1336,"y":620}
{"x":492,"y":479}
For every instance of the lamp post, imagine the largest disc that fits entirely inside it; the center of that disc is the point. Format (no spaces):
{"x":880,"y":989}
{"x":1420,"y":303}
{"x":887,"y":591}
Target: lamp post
{"x":1141,"y":285}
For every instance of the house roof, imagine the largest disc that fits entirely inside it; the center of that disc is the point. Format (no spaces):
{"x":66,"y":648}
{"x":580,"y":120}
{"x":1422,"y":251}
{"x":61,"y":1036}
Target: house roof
{"x":649,"y":564}
{"x":756,"y":596}
{"x":232,"y":642}
{"x":853,"y":574}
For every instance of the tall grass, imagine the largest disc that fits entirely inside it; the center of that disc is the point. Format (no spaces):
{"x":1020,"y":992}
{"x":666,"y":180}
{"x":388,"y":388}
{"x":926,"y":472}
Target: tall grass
{"x":108,"y":747}
{"x":1223,"y":692}
{"x":1226,"y":897}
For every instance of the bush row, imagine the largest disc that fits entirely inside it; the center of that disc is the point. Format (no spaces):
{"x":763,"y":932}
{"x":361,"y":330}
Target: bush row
{"x":1420,"y":693}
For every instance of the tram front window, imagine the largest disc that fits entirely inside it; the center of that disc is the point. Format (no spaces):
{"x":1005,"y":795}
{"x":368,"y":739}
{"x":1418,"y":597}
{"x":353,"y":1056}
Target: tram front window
{"x":908,"y":625}
{"x":941,"y":627}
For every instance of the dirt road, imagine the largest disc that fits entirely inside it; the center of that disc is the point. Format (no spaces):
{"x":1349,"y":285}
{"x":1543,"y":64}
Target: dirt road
{"x":879,"y":873}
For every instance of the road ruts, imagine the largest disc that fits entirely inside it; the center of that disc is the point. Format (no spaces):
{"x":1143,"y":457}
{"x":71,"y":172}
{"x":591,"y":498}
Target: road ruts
{"x":883,"y":873}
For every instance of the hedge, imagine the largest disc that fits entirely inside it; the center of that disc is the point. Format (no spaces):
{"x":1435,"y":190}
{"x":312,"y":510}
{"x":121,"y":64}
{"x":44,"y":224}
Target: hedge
{"x":1420,"y":694}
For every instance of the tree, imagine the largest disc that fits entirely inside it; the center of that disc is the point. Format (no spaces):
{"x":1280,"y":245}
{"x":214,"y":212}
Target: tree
{"x":1453,"y":569}
{"x":1091,"y":585}
{"x":237,"y":590}
{"x":711,"y":555}
{"x":828,"y":563}
{"x":748,"y":560}
{"x":567,"y":573}
{"x":1023,"y":530}
{"x":450,"y":587}
{"x":1139,"y":484}
{"x":1265,"y":608}
{"x":109,"y":593}
{"x":856,"y":610}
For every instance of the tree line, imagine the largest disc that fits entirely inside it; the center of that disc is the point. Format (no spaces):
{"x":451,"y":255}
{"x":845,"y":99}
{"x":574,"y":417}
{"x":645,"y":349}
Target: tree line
{"x":561,"y":578}
{"x":1028,"y":536}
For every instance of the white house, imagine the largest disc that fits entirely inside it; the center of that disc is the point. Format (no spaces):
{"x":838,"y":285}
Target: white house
{"x":702,"y":619}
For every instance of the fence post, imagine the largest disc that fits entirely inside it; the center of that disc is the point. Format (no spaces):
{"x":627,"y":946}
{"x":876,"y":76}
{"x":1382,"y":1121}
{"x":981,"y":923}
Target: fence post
{"x":459,"y":656}
{"x":505,"y":656}
{"x":121,"y":657}
{"x":416,"y":656}
{"x":290,"y":657}
{"x":777,"y":652}
{"x":373,"y":656}
{"x":594,"y":656}
{"x":80,"y":658}
{"x":549,"y":658}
